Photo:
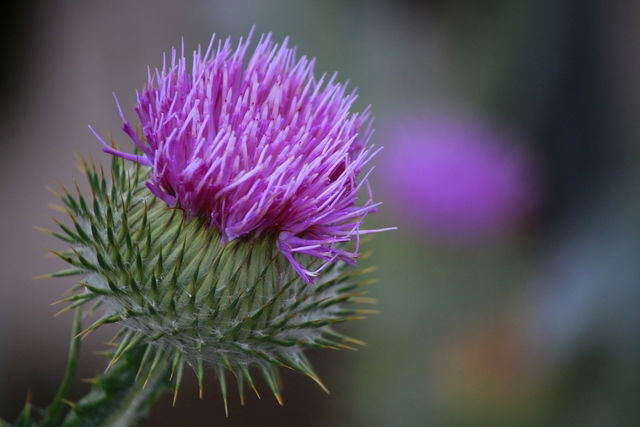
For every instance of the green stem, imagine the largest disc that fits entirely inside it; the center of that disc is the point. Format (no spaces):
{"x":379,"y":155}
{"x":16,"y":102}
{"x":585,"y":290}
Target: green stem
{"x":74,"y":349}
{"x":140,"y":397}
{"x":119,"y":397}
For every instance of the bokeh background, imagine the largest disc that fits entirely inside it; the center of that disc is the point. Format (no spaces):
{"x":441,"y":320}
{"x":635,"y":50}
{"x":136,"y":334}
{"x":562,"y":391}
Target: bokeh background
{"x":509,"y":295}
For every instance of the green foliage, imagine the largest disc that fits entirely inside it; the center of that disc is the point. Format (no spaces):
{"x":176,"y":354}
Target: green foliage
{"x":119,"y":397}
{"x":186,"y":297}
{"x":25,"y":419}
{"x":55,"y":409}
{"x":49,"y":418}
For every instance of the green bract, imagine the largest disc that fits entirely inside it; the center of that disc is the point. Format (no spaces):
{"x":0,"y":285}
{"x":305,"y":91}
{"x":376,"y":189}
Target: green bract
{"x":186,"y":298}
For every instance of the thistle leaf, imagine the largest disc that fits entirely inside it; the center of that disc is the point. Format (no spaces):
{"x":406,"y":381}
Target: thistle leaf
{"x":118,"y":398}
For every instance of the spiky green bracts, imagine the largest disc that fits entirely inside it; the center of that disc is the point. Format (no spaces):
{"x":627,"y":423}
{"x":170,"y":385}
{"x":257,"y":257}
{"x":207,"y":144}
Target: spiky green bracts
{"x":222,"y":243}
{"x":186,"y":298}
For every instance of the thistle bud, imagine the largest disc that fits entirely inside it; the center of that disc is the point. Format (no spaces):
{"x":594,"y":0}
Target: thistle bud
{"x":223,"y":241}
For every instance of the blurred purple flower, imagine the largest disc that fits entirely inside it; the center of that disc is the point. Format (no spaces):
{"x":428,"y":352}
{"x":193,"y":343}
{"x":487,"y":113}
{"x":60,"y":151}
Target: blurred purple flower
{"x":257,"y":145}
{"x":455,"y":178}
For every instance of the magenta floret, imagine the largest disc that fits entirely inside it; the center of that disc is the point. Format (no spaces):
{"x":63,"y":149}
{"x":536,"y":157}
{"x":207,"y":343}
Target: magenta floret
{"x":257,"y":145}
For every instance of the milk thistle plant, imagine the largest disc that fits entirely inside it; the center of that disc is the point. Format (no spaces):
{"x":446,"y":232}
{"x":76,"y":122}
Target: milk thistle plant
{"x":222,"y":243}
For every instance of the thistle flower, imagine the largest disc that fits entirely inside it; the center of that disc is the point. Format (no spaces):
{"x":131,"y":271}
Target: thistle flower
{"x":242,"y":190}
{"x":259,"y":149}
{"x":456,"y":178}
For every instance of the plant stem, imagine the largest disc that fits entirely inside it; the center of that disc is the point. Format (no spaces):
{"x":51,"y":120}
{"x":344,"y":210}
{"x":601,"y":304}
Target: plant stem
{"x":74,"y":349}
{"x":118,"y":397}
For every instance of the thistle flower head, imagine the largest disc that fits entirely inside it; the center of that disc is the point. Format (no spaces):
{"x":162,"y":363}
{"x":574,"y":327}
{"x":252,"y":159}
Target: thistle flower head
{"x":243,"y":188}
{"x":457,"y":178}
{"x":256,"y":145}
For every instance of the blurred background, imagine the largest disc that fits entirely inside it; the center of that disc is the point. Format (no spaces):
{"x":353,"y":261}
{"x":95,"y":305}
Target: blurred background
{"x":509,"y":295}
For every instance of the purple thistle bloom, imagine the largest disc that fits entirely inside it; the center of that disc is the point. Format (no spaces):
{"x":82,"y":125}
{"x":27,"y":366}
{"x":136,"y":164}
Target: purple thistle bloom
{"x":457,"y":178}
{"x":257,"y":145}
